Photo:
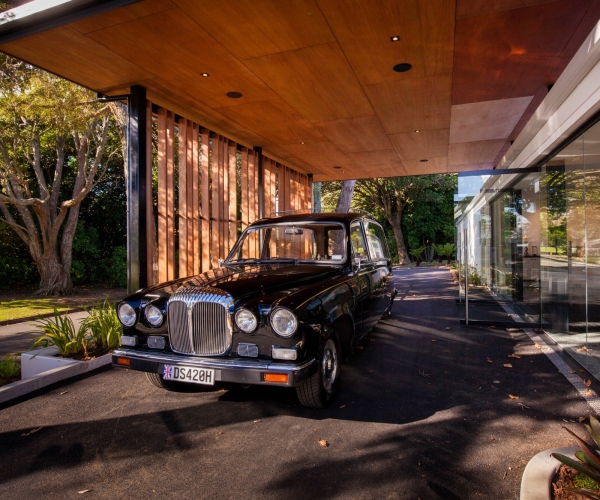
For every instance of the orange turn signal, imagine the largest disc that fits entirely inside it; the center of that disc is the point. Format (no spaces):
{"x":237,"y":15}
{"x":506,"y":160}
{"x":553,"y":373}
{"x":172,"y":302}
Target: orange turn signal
{"x":123,"y":361}
{"x":281,"y":378}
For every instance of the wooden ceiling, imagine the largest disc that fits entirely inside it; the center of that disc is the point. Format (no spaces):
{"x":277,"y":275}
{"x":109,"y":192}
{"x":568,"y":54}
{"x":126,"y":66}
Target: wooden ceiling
{"x":316,"y":76}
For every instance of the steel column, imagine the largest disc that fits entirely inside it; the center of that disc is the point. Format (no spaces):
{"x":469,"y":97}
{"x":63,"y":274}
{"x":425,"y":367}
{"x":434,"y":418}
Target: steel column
{"x":137,"y":251}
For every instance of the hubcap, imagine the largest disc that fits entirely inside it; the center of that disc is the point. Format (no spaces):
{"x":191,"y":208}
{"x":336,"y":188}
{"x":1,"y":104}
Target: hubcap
{"x":329,"y":365}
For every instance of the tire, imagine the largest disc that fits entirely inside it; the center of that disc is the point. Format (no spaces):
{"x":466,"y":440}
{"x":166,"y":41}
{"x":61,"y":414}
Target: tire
{"x":157,"y":380}
{"x":319,"y":390}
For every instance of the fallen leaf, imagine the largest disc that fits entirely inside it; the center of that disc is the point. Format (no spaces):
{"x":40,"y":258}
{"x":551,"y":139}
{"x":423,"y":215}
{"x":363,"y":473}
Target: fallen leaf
{"x":572,"y":371}
{"x":343,"y":406}
{"x":587,"y":382}
{"x":492,"y":327}
{"x":581,"y":419}
{"x":589,"y":393}
{"x":256,"y":421}
{"x":323,"y":443}
{"x":314,"y":430}
{"x":32,"y":431}
{"x":433,"y":340}
{"x":489,"y":360}
{"x":360,"y":347}
{"x":582,"y":349}
{"x":514,"y":356}
{"x":507,"y":365}
{"x":84,"y":491}
{"x":581,"y":370}
{"x":513,"y":329}
{"x":220,"y":432}
{"x":565,"y":420}
{"x":513,"y":397}
{"x":537,"y":346}
{"x":496,"y":382}
{"x":64,"y":392}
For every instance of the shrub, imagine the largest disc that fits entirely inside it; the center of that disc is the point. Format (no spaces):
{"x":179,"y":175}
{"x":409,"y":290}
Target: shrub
{"x":60,"y":332}
{"x":9,"y":367}
{"x":104,"y":326}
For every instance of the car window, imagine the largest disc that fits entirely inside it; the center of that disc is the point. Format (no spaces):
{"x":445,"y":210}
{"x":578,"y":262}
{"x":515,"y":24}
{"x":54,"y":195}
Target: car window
{"x":377,"y":241}
{"x":302,"y":241}
{"x":358,"y":241}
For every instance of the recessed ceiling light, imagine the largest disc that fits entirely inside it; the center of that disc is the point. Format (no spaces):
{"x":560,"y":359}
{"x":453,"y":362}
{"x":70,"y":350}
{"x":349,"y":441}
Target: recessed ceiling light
{"x":395,"y":38}
{"x":402,"y":67}
{"x":423,"y":161}
{"x":204,"y":74}
{"x":417,"y":131}
{"x":337,"y":167}
{"x":302,"y":142}
{"x":234,"y":95}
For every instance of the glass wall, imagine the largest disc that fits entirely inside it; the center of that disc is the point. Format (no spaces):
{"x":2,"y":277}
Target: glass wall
{"x":530,"y":247}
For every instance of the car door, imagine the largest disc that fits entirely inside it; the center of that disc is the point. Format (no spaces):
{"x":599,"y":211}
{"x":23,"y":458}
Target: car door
{"x":363,"y":271}
{"x":382,"y":268}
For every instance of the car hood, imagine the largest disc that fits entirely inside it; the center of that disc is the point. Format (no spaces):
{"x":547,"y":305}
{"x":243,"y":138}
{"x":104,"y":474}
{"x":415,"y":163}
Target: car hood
{"x":246,"y":281}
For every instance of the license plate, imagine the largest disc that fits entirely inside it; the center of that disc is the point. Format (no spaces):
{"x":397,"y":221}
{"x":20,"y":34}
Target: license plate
{"x":188,"y":374}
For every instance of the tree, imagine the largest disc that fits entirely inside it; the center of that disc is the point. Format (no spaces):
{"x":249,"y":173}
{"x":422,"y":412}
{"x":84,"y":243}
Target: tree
{"x":390,"y":197}
{"x":53,"y":134}
{"x":345,"y":199}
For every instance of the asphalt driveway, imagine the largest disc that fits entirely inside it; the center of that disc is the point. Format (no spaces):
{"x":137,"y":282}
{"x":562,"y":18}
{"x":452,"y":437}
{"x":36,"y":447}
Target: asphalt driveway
{"x":424,"y":412}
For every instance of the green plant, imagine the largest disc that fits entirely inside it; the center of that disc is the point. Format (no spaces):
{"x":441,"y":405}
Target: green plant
{"x":448,"y":251}
{"x":9,"y":367}
{"x":474,"y":278}
{"x":60,"y":332}
{"x":589,"y":460}
{"x":104,"y":326}
{"x":416,"y":254}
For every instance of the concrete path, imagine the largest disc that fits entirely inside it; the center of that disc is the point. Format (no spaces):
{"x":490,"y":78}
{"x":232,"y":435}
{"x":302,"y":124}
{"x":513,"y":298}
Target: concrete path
{"x":424,"y":412}
{"x":17,"y":339}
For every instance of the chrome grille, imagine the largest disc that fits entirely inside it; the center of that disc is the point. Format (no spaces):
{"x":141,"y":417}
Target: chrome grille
{"x":200,"y":321}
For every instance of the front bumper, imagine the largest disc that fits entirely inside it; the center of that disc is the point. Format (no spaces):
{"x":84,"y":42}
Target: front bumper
{"x":236,"y":370}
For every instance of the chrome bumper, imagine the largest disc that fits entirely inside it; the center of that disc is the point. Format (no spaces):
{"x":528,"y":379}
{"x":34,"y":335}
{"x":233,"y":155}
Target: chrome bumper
{"x":236,"y":370}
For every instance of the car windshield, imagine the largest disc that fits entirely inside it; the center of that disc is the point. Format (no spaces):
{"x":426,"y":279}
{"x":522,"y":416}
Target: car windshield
{"x":308,"y":241}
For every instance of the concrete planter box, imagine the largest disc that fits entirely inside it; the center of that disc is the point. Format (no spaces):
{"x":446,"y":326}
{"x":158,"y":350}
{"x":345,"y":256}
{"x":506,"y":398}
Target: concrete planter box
{"x":536,"y":483}
{"x":42,"y":360}
{"x":45,"y":368}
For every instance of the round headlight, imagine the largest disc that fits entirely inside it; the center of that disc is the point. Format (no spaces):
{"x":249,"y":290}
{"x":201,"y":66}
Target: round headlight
{"x":245,"y":320}
{"x":154,"y":315}
{"x":284,"y":322}
{"x":127,"y":314}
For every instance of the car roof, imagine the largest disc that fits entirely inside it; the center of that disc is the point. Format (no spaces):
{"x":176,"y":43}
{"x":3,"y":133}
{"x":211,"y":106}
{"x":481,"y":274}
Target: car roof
{"x":344,"y":218}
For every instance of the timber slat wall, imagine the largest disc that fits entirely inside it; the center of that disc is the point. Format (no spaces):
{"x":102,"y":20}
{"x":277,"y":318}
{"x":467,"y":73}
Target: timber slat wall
{"x":200,"y":174}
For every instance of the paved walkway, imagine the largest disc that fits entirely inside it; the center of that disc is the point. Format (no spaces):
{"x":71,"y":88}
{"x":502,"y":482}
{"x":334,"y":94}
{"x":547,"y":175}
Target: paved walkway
{"x":17,"y":338}
{"x":424,"y":412}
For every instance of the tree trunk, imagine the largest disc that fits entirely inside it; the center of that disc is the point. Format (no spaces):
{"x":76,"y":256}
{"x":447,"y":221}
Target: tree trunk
{"x":317,"y":197}
{"x":396,"y":223}
{"x":54,"y":279}
{"x":345,"y":199}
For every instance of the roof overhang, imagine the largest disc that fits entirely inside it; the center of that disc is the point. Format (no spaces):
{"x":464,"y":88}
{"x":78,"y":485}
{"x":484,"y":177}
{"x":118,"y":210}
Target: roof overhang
{"x":319,"y":91}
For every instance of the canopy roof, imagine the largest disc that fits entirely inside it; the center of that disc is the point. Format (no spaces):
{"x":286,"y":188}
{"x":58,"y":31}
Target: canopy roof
{"x":316,"y":77}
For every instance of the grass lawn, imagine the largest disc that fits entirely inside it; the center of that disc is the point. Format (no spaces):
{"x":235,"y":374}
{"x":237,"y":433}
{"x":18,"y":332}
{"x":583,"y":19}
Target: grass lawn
{"x":13,"y":309}
{"x":17,"y":305}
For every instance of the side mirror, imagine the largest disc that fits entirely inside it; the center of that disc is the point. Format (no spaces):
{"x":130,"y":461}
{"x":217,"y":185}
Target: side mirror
{"x":357,"y":263}
{"x":221,"y":261}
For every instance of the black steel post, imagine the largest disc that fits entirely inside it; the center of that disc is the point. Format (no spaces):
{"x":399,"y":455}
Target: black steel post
{"x":261,"y":183}
{"x":137,"y":252}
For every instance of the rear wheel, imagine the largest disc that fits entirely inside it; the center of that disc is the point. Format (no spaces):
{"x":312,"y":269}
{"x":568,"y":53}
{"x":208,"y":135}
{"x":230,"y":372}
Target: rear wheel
{"x":318,"y":390}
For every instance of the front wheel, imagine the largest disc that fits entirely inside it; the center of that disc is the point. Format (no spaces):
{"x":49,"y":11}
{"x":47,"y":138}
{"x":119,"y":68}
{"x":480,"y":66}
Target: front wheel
{"x":318,"y":390}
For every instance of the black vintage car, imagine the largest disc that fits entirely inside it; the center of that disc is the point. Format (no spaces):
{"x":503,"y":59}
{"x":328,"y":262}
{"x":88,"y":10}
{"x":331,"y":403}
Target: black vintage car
{"x":293,"y":299}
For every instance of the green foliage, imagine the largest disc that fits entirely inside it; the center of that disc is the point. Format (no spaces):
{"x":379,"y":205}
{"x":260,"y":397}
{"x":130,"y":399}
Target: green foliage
{"x":104,"y":326}
{"x":16,"y":266}
{"x":9,"y":366}
{"x":588,"y":464}
{"x":416,"y":253}
{"x":101,"y":329}
{"x":60,"y":332}
{"x":474,"y":277}
{"x":581,"y":481}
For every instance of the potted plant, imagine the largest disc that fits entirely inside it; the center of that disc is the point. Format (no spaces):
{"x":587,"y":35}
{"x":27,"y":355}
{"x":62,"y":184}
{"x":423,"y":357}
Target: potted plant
{"x":62,"y":343}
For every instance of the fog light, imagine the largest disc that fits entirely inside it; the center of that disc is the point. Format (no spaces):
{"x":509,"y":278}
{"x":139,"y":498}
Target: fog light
{"x":247,"y":350}
{"x":156,"y":342}
{"x":281,"y":378}
{"x":287,"y":353}
{"x":123,"y":361}
{"x":129,"y":340}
